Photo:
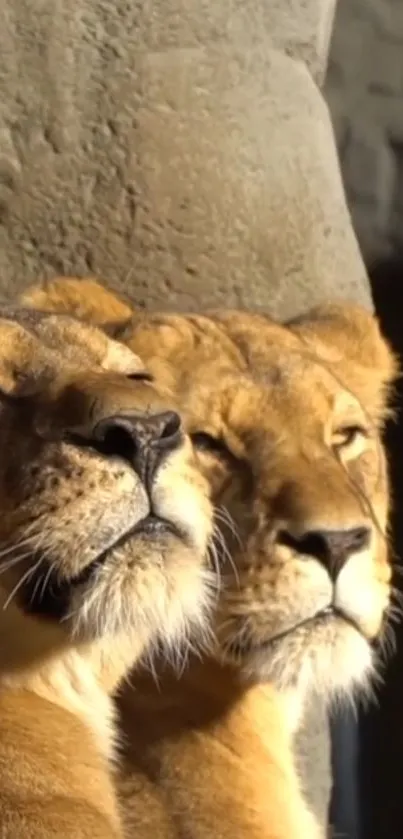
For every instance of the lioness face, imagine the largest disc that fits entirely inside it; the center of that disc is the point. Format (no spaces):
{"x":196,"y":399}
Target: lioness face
{"x":105,"y":516}
{"x":287,"y":421}
{"x":287,"y":424}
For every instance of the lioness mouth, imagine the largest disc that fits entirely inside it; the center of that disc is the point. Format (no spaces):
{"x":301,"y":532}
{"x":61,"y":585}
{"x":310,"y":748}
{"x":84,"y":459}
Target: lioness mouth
{"x":156,"y":526}
{"x":44,"y":594}
{"x":326,"y":615}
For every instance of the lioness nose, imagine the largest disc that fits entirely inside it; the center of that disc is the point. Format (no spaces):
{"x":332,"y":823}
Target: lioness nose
{"x":331,"y":547}
{"x":141,"y":440}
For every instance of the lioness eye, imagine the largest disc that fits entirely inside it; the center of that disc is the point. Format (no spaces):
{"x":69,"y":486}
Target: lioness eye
{"x":206,"y":443}
{"x":140,"y":376}
{"x":348,"y":435}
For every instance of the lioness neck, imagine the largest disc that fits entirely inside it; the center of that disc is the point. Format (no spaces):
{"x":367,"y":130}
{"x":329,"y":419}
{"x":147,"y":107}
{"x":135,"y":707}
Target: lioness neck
{"x":58,"y":723}
{"x":78,"y":678}
{"x":219,"y":753}
{"x":58,"y":730}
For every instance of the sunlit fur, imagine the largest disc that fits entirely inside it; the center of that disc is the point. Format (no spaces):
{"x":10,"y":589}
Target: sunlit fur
{"x":67,"y":640}
{"x":297,"y":412}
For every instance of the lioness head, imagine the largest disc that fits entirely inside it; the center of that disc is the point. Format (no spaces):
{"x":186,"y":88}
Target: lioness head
{"x":105,"y":516}
{"x":287,"y":421}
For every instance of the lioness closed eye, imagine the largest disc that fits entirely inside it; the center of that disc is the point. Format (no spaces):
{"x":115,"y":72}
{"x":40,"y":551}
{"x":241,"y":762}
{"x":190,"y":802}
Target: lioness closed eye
{"x":105,"y":520}
{"x":287,"y":421}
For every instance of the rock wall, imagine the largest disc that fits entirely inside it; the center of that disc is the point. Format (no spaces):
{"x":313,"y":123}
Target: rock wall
{"x":180,"y":149}
{"x":364,"y":88}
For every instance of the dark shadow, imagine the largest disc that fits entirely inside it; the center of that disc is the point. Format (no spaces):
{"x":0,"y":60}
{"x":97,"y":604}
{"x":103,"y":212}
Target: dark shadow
{"x":382,"y":726}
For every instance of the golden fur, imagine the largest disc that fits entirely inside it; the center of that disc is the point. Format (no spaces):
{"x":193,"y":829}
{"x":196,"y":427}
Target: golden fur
{"x":288,"y":422}
{"x":66,"y":295}
{"x":84,"y":588}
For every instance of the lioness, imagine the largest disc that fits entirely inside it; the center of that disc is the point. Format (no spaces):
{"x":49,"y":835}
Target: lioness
{"x":104,"y":525}
{"x":287,"y":422}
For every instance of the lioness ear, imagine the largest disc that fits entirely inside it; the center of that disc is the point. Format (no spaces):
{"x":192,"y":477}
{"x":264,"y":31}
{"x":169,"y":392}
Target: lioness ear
{"x":85,"y":299}
{"x":348,"y":338}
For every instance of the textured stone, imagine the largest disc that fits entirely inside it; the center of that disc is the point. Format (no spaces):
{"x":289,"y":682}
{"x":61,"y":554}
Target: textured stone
{"x":168,"y":170}
{"x":364,"y":88}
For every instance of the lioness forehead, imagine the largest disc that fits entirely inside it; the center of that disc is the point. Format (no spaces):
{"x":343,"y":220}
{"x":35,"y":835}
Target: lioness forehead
{"x":29,"y":336}
{"x":208,"y":349}
{"x":233,"y":368}
{"x":36,"y":344}
{"x":27,"y":318}
{"x":37,"y":323}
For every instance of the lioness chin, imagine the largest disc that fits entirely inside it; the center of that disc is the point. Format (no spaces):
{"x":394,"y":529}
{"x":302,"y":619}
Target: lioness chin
{"x":287,"y":420}
{"x":104,"y":528}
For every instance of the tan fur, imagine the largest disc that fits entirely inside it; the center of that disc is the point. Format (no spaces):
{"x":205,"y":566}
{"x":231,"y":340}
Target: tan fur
{"x":65,"y":295}
{"x":296,"y":413}
{"x":206,"y":756}
{"x":68,"y":637}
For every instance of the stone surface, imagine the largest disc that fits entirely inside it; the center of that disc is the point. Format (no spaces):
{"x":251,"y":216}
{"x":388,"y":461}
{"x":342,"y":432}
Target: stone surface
{"x":364,"y":88}
{"x":179,"y":172}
